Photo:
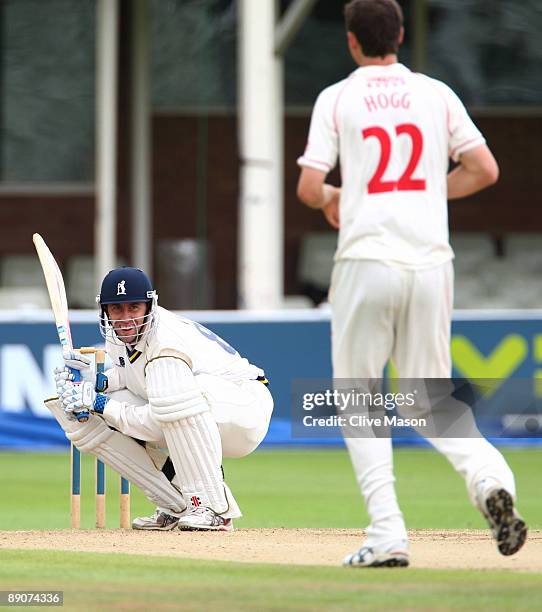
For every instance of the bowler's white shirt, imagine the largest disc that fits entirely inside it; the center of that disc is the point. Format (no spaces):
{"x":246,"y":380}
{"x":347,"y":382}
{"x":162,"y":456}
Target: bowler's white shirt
{"x":394,"y":132}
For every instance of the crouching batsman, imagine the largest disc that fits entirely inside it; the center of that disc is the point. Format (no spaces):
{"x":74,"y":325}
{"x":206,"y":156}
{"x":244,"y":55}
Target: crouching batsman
{"x":176,"y":400}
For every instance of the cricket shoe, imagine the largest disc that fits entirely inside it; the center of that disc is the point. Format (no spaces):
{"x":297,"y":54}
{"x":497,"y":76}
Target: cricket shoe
{"x":507,"y":526}
{"x":366,"y":556}
{"x":159,"y":521}
{"x":204,"y":519}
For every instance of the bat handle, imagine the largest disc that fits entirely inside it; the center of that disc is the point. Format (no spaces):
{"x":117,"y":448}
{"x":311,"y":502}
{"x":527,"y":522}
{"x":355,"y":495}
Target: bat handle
{"x":76,"y":375}
{"x":82,"y":416}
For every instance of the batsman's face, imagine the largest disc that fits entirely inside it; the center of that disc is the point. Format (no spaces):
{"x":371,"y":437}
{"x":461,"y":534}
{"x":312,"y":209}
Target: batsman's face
{"x":127,"y":320}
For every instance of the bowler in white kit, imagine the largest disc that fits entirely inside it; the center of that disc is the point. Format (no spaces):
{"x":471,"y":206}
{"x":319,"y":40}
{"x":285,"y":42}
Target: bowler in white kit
{"x":394,"y":132}
{"x":177,"y":399}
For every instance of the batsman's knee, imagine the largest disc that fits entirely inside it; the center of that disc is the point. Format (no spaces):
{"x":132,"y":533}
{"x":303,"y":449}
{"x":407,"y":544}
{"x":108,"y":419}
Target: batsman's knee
{"x":88,"y":436}
{"x":85,"y":436}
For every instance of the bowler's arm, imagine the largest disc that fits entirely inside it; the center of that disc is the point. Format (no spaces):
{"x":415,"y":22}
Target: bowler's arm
{"x":315,"y":193}
{"x":477,"y":170}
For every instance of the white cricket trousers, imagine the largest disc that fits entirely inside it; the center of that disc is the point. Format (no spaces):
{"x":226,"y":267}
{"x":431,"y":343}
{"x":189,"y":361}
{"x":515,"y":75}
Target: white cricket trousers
{"x":379,"y":313}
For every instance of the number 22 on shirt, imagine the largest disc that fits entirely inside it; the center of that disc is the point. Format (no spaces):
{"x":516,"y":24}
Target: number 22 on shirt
{"x":405,"y":182}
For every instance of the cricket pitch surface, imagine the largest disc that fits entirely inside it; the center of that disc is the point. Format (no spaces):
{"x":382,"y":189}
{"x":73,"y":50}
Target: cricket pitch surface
{"x":438,"y":549}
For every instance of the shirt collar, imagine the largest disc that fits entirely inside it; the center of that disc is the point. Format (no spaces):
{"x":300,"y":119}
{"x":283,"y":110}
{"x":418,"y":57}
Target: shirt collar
{"x":396,"y":67}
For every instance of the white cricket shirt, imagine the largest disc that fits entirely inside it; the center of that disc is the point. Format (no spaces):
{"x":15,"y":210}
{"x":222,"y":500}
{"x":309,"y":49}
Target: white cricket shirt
{"x":394,"y":131}
{"x":200,"y":348}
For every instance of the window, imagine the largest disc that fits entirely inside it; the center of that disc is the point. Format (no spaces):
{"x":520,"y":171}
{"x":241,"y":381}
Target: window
{"x":193,"y":54}
{"x":488,"y":51}
{"x":47,"y":91}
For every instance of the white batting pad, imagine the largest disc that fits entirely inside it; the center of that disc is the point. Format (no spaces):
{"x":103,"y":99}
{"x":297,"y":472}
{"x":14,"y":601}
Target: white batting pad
{"x":191,"y":434}
{"x":123,"y":454}
{"x":194,"y":447}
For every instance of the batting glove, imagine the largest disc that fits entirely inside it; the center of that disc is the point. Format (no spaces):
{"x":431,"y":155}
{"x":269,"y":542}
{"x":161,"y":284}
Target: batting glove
{"x":81,"y":398}
{"x":77,"y":397}
{"x":76,"y":361}
{"x":62,"y":376}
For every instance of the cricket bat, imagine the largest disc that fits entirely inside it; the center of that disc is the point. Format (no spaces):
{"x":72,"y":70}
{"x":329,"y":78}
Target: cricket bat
{"x":59,"y":304}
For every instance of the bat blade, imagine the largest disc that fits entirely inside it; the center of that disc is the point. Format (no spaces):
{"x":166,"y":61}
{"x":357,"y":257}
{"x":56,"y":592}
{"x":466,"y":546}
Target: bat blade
{"x":59,"y":303}
{"x":56,"y":290}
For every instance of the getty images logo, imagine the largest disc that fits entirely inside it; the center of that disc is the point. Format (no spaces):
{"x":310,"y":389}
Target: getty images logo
{"x":121,"y":289}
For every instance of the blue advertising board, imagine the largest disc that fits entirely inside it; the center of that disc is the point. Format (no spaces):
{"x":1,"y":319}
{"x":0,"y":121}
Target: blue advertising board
{"x":288,"y":345}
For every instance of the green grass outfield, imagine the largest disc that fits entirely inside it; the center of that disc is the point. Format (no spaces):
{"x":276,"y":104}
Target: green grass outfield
{"x":129,"y":582}
{"x":276,"y":488}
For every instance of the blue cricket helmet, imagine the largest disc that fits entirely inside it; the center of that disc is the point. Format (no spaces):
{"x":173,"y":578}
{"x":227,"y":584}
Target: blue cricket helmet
{"x":125,"y":286}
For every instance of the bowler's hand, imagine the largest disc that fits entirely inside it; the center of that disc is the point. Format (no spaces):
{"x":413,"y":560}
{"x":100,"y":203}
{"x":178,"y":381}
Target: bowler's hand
{"x":331,"y":208}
